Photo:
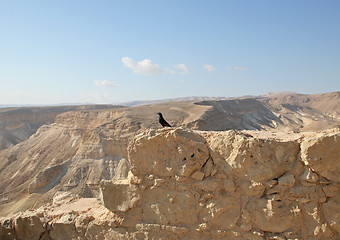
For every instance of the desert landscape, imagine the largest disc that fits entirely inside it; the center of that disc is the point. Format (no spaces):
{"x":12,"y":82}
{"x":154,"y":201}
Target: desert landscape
{"x":261,"y":167}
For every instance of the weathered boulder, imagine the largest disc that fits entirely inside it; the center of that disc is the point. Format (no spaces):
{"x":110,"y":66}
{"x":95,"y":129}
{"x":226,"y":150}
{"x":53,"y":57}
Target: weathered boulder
{"x":274,"y":216}
{"x":29,"y":227}
{"x":119,"y":195}
{"x":255,"y":158}
{"x":167,"y":152}
{"x":69,"y":217}
{"x":322,"y":154}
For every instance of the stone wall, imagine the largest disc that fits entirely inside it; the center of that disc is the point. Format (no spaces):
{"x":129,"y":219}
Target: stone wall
{"x":185,"y":184}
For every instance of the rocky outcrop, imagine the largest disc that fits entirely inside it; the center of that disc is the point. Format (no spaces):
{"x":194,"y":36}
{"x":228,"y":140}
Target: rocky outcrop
{"x":322,"y":155}
{"x":186,"y":184}
{"x":68,"y":217}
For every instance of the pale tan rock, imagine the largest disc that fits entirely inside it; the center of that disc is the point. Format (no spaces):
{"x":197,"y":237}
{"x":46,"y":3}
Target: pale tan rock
{"x":273,"y":216}
{"x":63,"y":197}
{"x":165,"y":152}
{"x":322,"y":155}
{"x":70,"y":218}
{"x":81,"y":223}
{"x":221,"y":214}
{"x":257,"y":159}
{"x":161,"y":198}
{"x":122,"y":170}
{"x":167,"y":206}
{"x":119,"y":195}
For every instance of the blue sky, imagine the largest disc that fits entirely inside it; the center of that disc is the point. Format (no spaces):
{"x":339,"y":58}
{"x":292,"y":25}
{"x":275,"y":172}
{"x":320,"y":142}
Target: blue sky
{"x":114,"y":51}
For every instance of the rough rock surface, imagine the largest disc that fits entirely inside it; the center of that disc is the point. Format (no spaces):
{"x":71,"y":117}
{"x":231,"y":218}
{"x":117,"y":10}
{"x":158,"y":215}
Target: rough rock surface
{"x":186,"y":184}
{"x":68,"y":217}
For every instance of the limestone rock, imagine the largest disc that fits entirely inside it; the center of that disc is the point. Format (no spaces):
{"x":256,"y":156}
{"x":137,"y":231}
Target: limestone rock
{"x":119,"y":195}
{"x":257,"y":159}
{"x":222,"y":213}
{"x":274,"y":216}
{"x":122,"y":169}
{"x":165,"y":153}
{"x":322,"y":154}
{"x":69,"y":219}
{"x":184,"y":184}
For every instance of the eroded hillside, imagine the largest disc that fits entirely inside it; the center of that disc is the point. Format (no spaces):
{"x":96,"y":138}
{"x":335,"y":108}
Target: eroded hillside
{"x":18,"y":124}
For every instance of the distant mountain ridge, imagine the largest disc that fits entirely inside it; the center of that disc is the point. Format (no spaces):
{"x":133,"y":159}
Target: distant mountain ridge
{"x":135,"y":103}
{"x":184,"y":99}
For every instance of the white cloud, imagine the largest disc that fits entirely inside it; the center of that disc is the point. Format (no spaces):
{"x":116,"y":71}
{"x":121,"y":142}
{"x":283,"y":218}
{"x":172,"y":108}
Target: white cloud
{"x":237,"y":68}
{"x":209,"y":68}
{"x":183,"y":67}
{"x":105,"y":83}
{"x":145,"y":67}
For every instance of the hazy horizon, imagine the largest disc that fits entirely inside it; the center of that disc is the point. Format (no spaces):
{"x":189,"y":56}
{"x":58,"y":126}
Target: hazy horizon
{"x":77,"y":52}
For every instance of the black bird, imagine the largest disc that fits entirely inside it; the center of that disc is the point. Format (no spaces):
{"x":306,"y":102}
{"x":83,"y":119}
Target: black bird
{"x":162,"y":121}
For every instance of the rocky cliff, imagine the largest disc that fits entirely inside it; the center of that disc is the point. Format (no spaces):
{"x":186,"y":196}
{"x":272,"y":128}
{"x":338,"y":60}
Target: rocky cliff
{"x":18,"y":124}
{"x":183,"y":184}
